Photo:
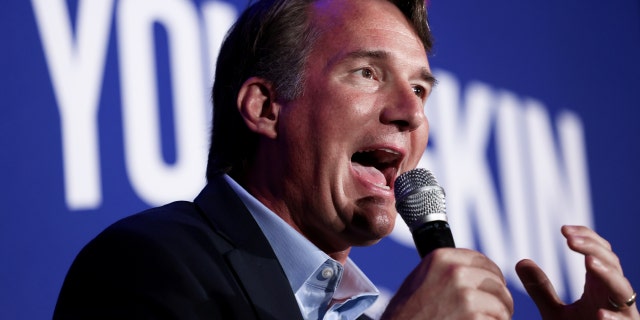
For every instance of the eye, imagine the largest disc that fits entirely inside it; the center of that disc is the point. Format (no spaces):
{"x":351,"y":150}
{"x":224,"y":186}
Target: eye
{"x":367,"y":73}
{"x":419,"y":91}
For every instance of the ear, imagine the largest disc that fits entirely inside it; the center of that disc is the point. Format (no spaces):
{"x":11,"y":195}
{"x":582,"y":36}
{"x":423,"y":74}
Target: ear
{"x":257,"y":106}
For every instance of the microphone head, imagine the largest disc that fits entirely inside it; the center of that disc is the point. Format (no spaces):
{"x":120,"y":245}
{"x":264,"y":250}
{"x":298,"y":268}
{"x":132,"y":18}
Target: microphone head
{"x":419,"y":198}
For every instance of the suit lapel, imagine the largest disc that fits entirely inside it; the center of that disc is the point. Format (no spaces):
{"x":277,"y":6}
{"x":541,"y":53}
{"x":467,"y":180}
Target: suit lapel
{"x":250,"y":256}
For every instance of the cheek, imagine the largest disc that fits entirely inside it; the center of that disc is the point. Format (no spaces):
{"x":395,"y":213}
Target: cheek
{"x":337,"y":116}
{"x":347,"y":101}
{"x":419,"y":141}
{"x":425,"y":133}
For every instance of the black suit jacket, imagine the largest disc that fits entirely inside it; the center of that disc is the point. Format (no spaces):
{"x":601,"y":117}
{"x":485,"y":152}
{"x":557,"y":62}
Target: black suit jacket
{"x":202,"y":260}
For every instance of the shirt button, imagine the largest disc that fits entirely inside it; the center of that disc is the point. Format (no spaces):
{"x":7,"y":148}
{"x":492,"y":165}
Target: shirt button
{"x":327,"y":273}
{"x":331,"y":316}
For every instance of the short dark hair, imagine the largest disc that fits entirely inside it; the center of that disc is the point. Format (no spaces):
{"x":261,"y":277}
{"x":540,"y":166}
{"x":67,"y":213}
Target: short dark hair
{"x":271,"y":40}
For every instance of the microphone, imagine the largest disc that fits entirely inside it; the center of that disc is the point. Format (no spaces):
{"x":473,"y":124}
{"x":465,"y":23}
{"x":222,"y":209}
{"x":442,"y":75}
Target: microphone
{"x":420,"y":202}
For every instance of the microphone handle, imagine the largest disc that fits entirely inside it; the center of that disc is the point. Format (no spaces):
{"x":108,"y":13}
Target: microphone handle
{"x":433,"y":235}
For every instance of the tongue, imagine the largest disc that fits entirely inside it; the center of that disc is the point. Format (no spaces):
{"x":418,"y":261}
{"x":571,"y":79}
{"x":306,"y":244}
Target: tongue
{"x":369,"y":174}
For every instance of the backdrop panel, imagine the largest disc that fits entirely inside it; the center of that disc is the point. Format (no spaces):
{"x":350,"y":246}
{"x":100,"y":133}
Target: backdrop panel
{"x":105,"y":112}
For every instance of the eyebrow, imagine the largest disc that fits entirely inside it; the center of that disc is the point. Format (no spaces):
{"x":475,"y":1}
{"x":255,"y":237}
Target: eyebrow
{"x":425,"y":74}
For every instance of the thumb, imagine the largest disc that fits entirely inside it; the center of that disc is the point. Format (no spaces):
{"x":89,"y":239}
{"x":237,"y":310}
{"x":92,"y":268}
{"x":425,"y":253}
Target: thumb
{"x":539,"y":287}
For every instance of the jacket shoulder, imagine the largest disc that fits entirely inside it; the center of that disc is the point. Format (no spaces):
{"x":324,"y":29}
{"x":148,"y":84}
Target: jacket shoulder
{"x":166,"y":262}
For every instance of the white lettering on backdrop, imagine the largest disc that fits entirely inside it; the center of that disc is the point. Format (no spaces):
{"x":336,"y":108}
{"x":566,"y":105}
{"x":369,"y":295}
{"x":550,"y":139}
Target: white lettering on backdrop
{"x":151,"y":177}
{"x":76,"y":65}
{"x":76,"y":62}
{"x":543,"y":181}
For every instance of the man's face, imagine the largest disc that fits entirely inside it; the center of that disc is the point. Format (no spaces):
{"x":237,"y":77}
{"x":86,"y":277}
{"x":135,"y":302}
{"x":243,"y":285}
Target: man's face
{"x":358,"y":125}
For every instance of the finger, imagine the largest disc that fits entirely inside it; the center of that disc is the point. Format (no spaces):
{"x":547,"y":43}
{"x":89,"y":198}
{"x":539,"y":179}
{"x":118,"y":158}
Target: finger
{"x":461,"y":277}
{"x":538,"y":286}
{"x":601,"y":263}
{"x":586,"y":232}
{"x":608,"y":315}
{"x":604,"y":265}
{"x":605,"y":314}
{"x":448,"y":278}
{"x":466,"y":257}
{"x":470,"y":270}
{"x":481,"y":305}
{"x":487,"y":264}
{"x":500,"y":291}
{"x":589,"y":243}
{"x":466,"y":279}
{"x":617,"y":287}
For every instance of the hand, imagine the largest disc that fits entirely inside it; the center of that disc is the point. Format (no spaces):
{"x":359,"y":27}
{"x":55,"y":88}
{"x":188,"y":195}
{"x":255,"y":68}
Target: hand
{"x":452,"y":284}
{"x":604,"y":279}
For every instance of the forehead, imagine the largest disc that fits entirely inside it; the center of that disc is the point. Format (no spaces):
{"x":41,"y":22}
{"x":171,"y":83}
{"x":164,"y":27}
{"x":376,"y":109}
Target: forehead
{"x":355,"y":25}
{"x":341,"y":14}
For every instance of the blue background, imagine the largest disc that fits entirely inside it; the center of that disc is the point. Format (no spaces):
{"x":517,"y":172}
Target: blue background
{"x":580,"y":55}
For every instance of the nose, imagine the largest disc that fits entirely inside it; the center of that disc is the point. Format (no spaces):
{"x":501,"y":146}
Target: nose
{"x":404,"y":109}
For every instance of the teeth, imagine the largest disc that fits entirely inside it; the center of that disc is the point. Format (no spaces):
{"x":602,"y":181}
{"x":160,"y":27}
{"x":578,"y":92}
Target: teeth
{"x":383,"y":186}
{"x":383,"y":149}
{"x":390,"y":151}
{"x":383,"y":159}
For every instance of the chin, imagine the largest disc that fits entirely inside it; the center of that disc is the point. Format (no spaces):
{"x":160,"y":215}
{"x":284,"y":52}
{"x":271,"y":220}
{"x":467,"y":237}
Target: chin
{"x":367,"y":243}
{"x":371,"y":227}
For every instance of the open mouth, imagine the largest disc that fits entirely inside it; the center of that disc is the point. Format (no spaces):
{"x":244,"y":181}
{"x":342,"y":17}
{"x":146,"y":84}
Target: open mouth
{"x":377,"y":166}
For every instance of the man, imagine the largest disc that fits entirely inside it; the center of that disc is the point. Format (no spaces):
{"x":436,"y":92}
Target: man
{"x":318,"y":108}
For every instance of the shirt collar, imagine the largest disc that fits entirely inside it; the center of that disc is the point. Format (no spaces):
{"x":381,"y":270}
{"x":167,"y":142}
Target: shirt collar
{"x":300,"y":258}
{"x":297,"y":255}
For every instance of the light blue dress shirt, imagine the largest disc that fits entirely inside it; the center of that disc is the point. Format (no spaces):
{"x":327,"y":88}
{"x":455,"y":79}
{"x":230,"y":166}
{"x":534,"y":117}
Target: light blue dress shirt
{"x":323,"y":287}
